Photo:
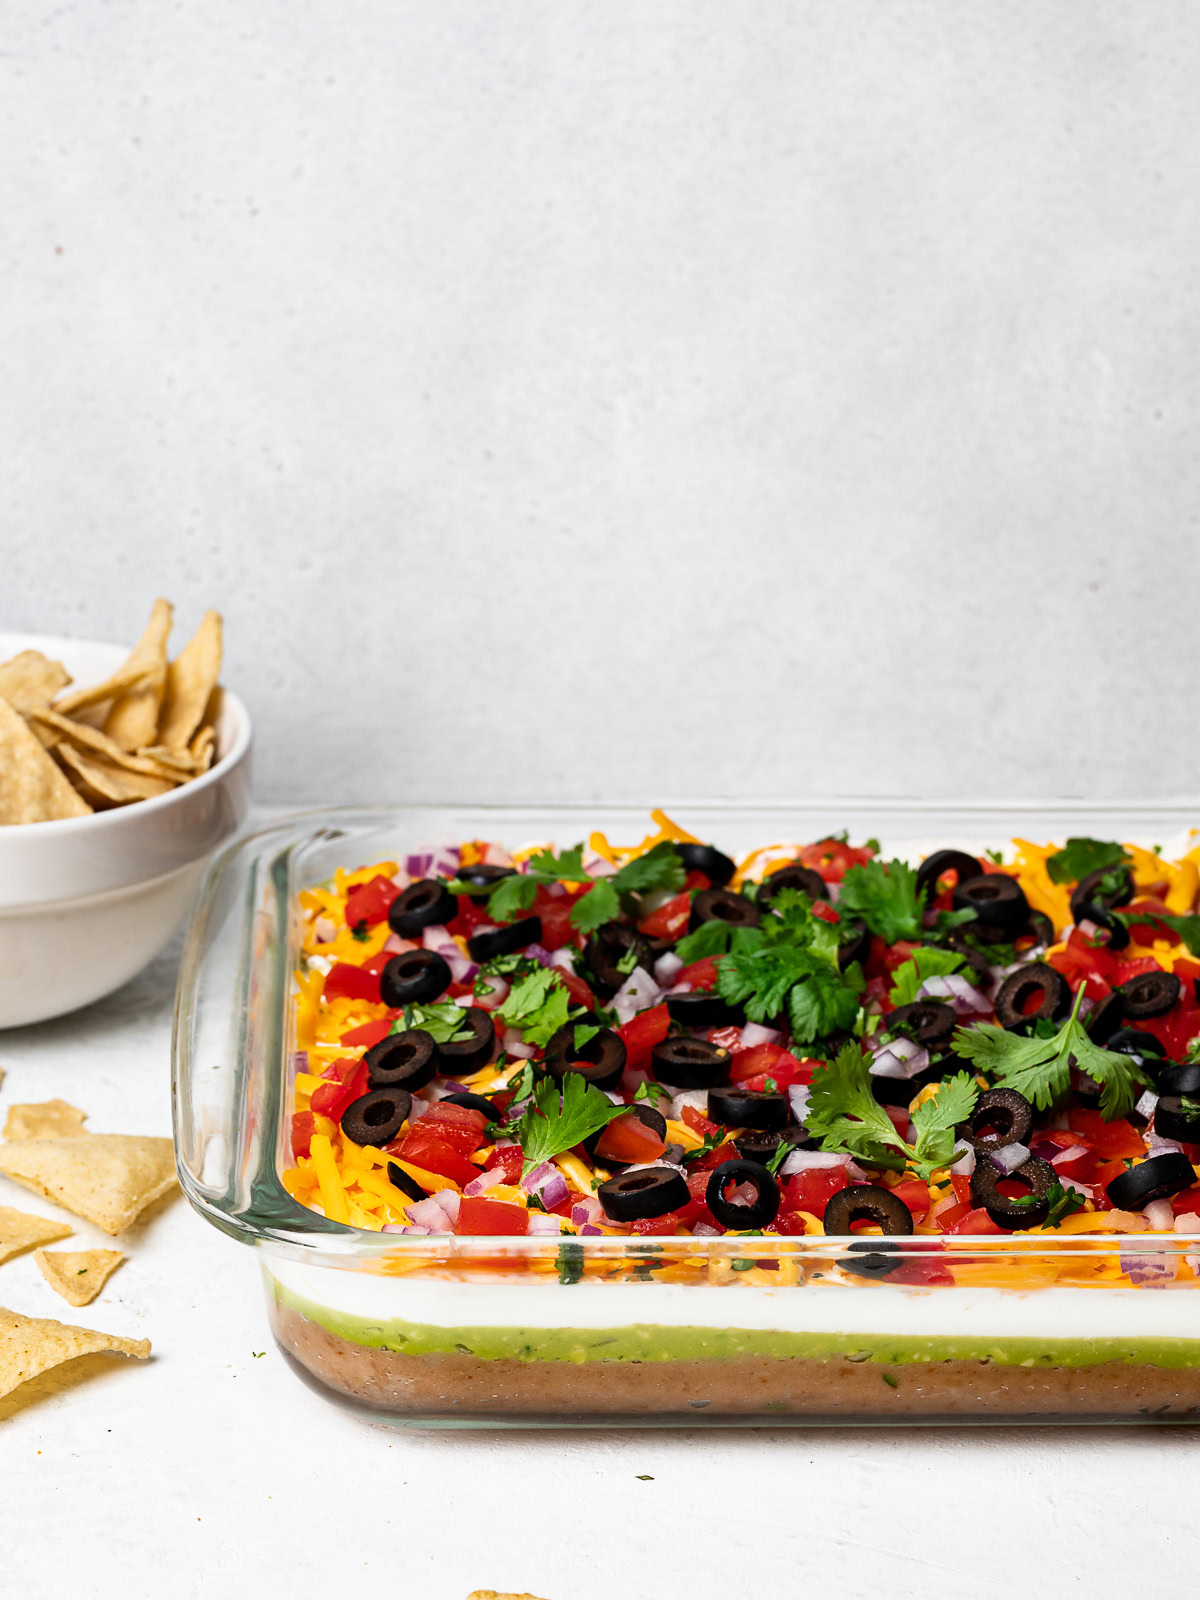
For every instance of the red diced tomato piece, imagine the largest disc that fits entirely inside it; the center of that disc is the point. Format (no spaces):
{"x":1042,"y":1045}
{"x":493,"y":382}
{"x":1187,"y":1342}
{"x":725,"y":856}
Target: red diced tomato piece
{"x":331,"y":1099}
{"x":915,"y":1196}
{"x":701,"y":974}
{"x":698,"y":1122}
{"x":479,"y":1215}
{"x":346,"y":982}
{"x":425,"y":1149}
{"x":697,"y":881}
{"x":303,"y":1127}
{"x":1124,"y":970}
{"x":367,"y":903}
{"x":812,"y":1189}
{"x":472,"y":914}
{"x":1101,"y":1179}
{"x":832,"y":858}
{"x":670,"y":920}
{"x":510,"y":1160}
{"x":458,"y":1126}
{"x":627,"y":1138}
{"x":655,"y":1225}
{"x":760,"y":1058}
{"x":369,"y":1033}
{"x":555,"y":914}
{"x":920,"y":1273}
{"x":1186,"y":1200}
{"x":962,"y":1188}
{"x":899,"y":1116}
{"x":714,"y":1158}
{"x":974,"y":1220}
{"x":641,"y":1033}
{"x":580,"y":993}
{"x":1107,"y":1139}
{"x":725,"y":1038}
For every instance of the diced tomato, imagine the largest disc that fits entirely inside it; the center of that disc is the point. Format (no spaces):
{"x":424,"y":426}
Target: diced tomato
{"x":760,"y":1058}
{"x":332,"y":1099}
{"x":790,"y":1223}
{"x":921,"y":1274}
{"x":824,"y":912}
{"x":1187,"y":972}
{"x":1124,"y":970}
{"x":423,"y":1148}
{"x":832,"y":858}
{"x":476,"y":1214}
{"x":976,"y":1220}
{"x":338,"y":1071}
{"x":303,"y":1127}
{"x":899,"y":1116}
{"x":876,"y":993}
{"x":914,"y":1194}
{"x":1108,"y":1139}
{"x":1186,"y":1200}
{"x":346,"y":982}
{"x":946,"y":1219}
{"x":700,"y":974}
{"x":697,"y":881}
{"x":1154,"y":927}
{"x":627,"y":1138}
{"x":784,"y":1071}
{"x":714,"y":1158}
{"x":580,"y":993}
{"x":1081,"y":1167}
{"x":698,"y":1123}
{"x":812,"y":1189}
{"x":657,"y":1226}
{"x":369,"y":1033}
{"x":472,"y":914}
{"x":1063,"y":1139}
{"x":962,"y":1188}
{"x":641,"y":1033}
{"x":508,"y":1159}
{"x":1176,"y":1029}
{"x":458,"y":1126}
{"x":670,"y":920}
{"x":555,"y":914}
{"x":367,"y":903}
{"x":1101,"y":1179}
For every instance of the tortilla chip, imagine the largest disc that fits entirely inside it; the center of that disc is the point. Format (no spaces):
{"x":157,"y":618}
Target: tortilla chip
{"x":32,"y":789}
{"x":106,"y":1177}
{"x":30,"y":1345}
{"x":78,"y":1275}
{"x":94,"y":694}
{"x":191,"y":679}
{"x":44,"y":1119}
{"x":133,"y":718}
{"x":204,"y":746}
{"x":91,"y":739}
{"x":105,"y":784}
{"x":180,"y":762}
{"x":31,"y":679}
{"x":21,"y":1229}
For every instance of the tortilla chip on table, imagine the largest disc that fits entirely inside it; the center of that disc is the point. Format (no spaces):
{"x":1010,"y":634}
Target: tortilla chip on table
{"x":43,"y":1119}
{"x":21,"y":1230}
{"x":30,"y":1346}
{"x":109,"y":1178}
{"x":78,"y":1275}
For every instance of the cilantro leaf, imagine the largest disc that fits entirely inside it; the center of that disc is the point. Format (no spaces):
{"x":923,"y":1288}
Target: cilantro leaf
{"x":538,"y":1004}
{"x":649,"y":1090}
{"x":556,"y":1121}
{"x":1063,"y":1202}
{"x":444,"y":1023}
{"x":565,"y":868}
{"x":824,"y":1002}
{"x":935,"y":1120}
{"x":512,"y":895}
{"x":791,"y":961}
{"x":1040,"y":1068}
{"x":599,"y":905}
{"x":660,"y":868}
{"x":884,"y":895}
{"x":1078,"y":857}
{"x":926,"y":962}
{"x":583,"y":1032}
{"x":711,"y":938}
{"x":843,"y":1112}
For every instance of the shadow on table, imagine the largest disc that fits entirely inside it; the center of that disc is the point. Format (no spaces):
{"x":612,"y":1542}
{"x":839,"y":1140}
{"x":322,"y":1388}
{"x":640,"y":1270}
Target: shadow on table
{"x":91,"y":1368}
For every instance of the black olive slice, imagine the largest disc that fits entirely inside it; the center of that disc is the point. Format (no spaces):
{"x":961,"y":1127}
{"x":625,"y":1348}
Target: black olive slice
{"x":1171,"y":1121}
{"x":649,"y":1192}
{"x":1135,"y":1042}
{"x":995,"y":898}
{"x":1036,"y":1175}
{"x":1088,"y":892}
{"x":504,"y":941}
{"x":691,"y":1063}
{"x":377,"y":1117}
{"x":1020,"y":987}
{"x":749,"y":1108}
{"x":706,"y":858}
{"x":734,"y":1213}
{"x":871,"y":1258}
{"x":414,"y":977}
{"x":607,"y":955}
{"x":1157,"y":1178}
{"x":483,"y":877}
{"x":1149,"y":994}
{"x":760,"y":1144}
{"x":600,"y":1060}
{"x":866,"y":1202}
{"x":722,"y":905}
{"x":929,"y":1023}
{"x":404,"y":1060}
{"x":473,"y":1102}
{"x":1179,"y":1078}
{"x":424,"y":904}
{"x":1039,"y":928}
{"x":975,"y":959}
{"x":1103,"y":1020}
{"x":651,"y":1118}
{"x":406,"y":1184}
{"x":458,"y":1058}
{"x":1118,"y":933}
{"x":794,"y":876}
{"x":1000,"y":1117}
{"x":855,"y":940}
{"x":703,"y":1008}
{"x":942,"y":861}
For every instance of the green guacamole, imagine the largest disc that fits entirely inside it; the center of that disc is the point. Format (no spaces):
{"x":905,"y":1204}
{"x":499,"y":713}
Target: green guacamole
{"x":643,"y":1342}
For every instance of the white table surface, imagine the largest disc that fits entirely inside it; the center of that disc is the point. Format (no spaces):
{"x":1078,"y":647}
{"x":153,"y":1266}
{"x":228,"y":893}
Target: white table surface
{"x":210,"y":1471}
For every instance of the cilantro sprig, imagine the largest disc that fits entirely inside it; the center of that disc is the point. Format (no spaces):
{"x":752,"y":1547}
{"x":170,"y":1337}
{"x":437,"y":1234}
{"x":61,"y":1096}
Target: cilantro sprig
{"x":444,"y":1022}
{"x":538,"y":1004}
{"x":884,"y":894}
{"x":560,"y":1117}
{"x":926,"y":962}
{"x":1080,"y":856}
{"x":790,"y":963}
{"x":844,"y":1113}
{"x":1040,"y":1068}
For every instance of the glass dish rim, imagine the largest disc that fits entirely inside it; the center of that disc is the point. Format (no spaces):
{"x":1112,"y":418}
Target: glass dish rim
{"x":271,"y":1220}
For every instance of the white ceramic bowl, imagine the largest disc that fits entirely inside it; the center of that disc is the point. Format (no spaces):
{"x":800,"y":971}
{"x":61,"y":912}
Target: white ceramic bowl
{"x":86,"y":902}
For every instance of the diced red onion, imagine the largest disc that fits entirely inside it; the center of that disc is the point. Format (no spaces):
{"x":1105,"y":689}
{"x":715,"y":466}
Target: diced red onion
{"x":1061,"y":1157}
{"x":705,"y":1230}
{"x":893,"y":1062}
{"x":540,"y":1222}
{"x":418,"y":863}
{"x":519,"y":1050}
{"x":946,"y":1203}
{"x":1187,"y":1222}
{"x":430,"y":1215}
{"x":324,"y":931}
{"x":484,"y":1182}
{"x":958,"y":991}
{"x":563,"y":958}
{"x":965,"y":1165}
{"x":1075,"y":1187}
{"x":539,"y":953}
{"x":1159,"y":1146}
{"x":588,"y":1229}
{"x":395,"y":1227}
{"x":812,"y":1161}
{"x":1009,"y":1157}
{"x":1145,"y":1106}
{"x":637,"y":993}
{"x":435,"y":936}
{"x":1045,"y":1149}
{"x":754,"y":1033}
{"x":1147,"y":1270}
{"x":449,"y":1200}
{"x":493,"y":997}
{"x":596,"y":866}
{"x":1160,"y":1216}
{"x":799,"y":1095}
{"x":497,"y":856}
{"x":667,"y":968}
{"x":548,"y":1183}
{"x":300,"y":1061}
{"x":586,"y":1209}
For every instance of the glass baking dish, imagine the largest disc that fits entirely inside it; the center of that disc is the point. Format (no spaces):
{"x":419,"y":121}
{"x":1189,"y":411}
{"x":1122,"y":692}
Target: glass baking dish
{"x":613,"y":1331}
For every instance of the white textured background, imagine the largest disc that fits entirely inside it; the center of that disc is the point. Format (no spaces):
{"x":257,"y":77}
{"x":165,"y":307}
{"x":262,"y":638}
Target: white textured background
{"x":630,"y":398}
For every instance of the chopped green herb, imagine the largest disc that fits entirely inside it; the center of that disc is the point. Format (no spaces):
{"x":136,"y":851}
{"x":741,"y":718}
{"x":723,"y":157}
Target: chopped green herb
{"x":562,"y":1116}
{"x":360,"y":931}
{"x":996,"y":857}
{"x":1078,"y":857}
{"x":884,"y":894}
{"x":650,"y":1091}
{"x":927,"y":962}
{"x":569,"y":1261}
{"x":844,"y":1114}
{"x":538,"y":1004}
{"x":443,"y":1022}
{"x":583,"y":1032}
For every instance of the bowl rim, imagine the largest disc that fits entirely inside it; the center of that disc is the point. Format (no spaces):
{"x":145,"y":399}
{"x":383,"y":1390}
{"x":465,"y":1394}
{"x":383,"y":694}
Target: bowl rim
{"x":162,"y":802}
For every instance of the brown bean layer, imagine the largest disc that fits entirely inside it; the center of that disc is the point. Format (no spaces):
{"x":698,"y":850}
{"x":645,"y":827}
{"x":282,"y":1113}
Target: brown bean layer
{"x":463,"y":1387}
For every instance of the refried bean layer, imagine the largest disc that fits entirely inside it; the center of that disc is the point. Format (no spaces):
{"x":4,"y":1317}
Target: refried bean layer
{"x":462,"y":1388}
